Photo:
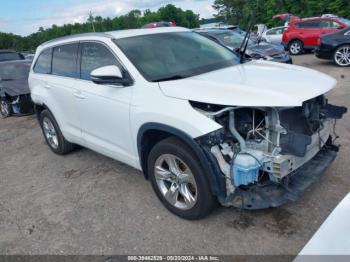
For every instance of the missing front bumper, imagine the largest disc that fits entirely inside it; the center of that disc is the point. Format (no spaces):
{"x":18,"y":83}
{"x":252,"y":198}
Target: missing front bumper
{"x":271,"y":194}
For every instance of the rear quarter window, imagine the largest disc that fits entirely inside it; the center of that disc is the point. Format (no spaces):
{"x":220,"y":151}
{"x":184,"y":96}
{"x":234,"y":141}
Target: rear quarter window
{"x":43,"y":63}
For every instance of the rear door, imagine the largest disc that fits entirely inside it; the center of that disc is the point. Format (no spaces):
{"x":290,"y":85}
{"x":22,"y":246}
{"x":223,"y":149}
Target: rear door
{"x":62,"y":87}
{"x":310,"y":32}
{"x":54,"y":84}
{"x":104,"y":109}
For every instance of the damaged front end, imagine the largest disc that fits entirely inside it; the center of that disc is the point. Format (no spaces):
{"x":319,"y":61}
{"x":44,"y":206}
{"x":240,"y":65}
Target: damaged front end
{"x":19,"y":105}
{"x":266,"y":156}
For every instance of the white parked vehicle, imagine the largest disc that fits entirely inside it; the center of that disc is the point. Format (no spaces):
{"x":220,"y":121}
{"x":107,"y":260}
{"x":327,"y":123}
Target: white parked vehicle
{"x":274,"y":35}
{"x":202,"y":127}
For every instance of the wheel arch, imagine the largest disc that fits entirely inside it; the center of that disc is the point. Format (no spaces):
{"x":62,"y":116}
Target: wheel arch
{"x":38,"y":108}
{"x":294,"y":39}
{"x":151,"y":133}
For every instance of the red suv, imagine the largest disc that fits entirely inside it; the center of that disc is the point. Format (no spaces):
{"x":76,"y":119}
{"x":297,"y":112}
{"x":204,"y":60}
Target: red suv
{"x":305,"y":33}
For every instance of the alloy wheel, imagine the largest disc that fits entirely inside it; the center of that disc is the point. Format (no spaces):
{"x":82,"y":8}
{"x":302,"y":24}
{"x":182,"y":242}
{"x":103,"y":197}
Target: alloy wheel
{"x":342,"y":56}
{"x":50,"y":133}
{"x":295,"y":48}
{"x":176,"y":181}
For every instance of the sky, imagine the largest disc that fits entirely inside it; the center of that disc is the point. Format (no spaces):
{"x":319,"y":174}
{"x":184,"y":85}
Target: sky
{"x":24,"y":17}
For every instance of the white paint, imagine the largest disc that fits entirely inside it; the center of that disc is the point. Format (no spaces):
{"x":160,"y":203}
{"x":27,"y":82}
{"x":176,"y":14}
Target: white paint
{"x":332,"y":238}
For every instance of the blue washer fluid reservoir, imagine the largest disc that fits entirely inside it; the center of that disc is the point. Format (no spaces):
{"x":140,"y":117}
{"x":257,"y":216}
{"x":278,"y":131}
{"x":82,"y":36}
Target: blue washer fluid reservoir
{"x":245,"y":170}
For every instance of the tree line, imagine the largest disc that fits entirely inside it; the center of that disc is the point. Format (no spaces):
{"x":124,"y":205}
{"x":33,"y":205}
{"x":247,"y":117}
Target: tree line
{"x":241,"y":12}
{"x":133,"y":19}
{"x":237,"y":12}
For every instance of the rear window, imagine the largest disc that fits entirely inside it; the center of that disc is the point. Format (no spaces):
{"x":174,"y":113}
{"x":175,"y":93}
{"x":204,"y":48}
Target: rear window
{"x":43,"y":63}
{"x":8,"y":56}
{"x":64,"y":60}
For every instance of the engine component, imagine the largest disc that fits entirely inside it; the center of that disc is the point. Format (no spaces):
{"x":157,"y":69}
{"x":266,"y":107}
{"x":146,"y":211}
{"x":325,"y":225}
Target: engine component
{"x":245,"y":169}
{"x":282,"y":165}
{"x":235,"y":132}
{"x":224,"y":167}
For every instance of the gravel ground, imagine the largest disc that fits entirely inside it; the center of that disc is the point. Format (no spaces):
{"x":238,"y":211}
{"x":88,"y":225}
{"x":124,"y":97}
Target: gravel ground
{"x":85,"y":203}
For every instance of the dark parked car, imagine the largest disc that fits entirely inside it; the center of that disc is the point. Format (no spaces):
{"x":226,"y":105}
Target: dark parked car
{"x":255,"y":50}
{"x":335,"y":47}
{"x":14,"y":91}
{"x":8,"y":55}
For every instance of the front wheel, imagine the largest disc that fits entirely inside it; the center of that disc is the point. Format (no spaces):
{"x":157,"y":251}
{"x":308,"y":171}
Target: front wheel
{"x":296,"y":47}
{"x":5,"y":108}
{"x":342,"y":56}
{"x":179,"y":180}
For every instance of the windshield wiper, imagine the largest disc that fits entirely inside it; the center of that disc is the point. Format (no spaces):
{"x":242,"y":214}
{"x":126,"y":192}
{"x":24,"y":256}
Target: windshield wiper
{"x":169,"y":78}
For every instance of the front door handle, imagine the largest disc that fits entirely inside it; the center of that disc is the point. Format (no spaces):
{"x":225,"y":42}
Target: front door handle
{"x":79,"y":95}
{"x":47,"y":86}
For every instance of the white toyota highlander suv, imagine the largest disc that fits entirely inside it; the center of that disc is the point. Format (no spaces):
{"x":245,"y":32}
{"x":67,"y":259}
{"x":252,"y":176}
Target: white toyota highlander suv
{"x":203,"y":127}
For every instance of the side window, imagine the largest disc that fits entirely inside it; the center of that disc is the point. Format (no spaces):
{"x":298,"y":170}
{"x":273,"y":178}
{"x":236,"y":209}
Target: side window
{"x":95,"y":55}
{"x":271,"y":32}
{"x":280,"y":31}
{"x":43,"y":63}
{"x":308,"y":25}
{"x":64,"y":60}
{"x":329,"y":24}
{"x":334,"y":24}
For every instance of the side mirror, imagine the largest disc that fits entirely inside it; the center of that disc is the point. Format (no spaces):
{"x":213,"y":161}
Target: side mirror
{"x":110,"y":75}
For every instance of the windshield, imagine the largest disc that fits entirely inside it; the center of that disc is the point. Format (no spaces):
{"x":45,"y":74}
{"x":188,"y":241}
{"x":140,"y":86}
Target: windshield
{"x":168,"y":56}
{"x":231,"y":39}
{"x":346,"y":21}
{"x":13,"y":71}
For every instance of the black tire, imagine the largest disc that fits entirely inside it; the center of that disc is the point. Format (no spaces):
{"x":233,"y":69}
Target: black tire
{"x":296,"y":47}
{"x":205,"y":201}
{"x":63,"y":147}
{"x":5,"y":108}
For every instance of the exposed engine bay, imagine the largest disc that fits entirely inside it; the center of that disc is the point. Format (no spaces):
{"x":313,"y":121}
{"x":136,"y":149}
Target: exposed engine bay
{"x":268,"y":144}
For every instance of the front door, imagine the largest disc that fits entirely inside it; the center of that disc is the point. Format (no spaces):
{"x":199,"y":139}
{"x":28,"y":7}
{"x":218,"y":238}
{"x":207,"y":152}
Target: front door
{"x":104,"y":109}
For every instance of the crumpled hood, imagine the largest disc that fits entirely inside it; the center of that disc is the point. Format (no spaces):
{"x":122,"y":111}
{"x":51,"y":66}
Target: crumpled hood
{"x":15,"y":87}
{"x":257,"y":83}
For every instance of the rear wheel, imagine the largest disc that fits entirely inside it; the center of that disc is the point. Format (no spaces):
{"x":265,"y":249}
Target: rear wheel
{"x":296,"y":47}
{"x":5,"y":108}
{"x":179,"y":180}
{"x":342,"y":56}
{"x":53,"y":135}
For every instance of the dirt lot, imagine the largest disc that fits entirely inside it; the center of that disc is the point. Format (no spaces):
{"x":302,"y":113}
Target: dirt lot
{"x":85,"y":203}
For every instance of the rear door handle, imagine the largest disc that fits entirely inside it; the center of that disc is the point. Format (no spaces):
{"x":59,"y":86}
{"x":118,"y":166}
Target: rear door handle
{"x":47,"y":86}
{"x":79,"y":95}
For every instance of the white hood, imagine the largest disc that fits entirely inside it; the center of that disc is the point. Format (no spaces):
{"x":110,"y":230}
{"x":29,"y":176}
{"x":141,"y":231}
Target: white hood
{"x":257,"y":83}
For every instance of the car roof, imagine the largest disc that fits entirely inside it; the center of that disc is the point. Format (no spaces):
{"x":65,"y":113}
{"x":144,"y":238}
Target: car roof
{"x":23,"y":61}
{"x":7,"y":51}
{"x":317,"y":18}
{"x":114,"y":34}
